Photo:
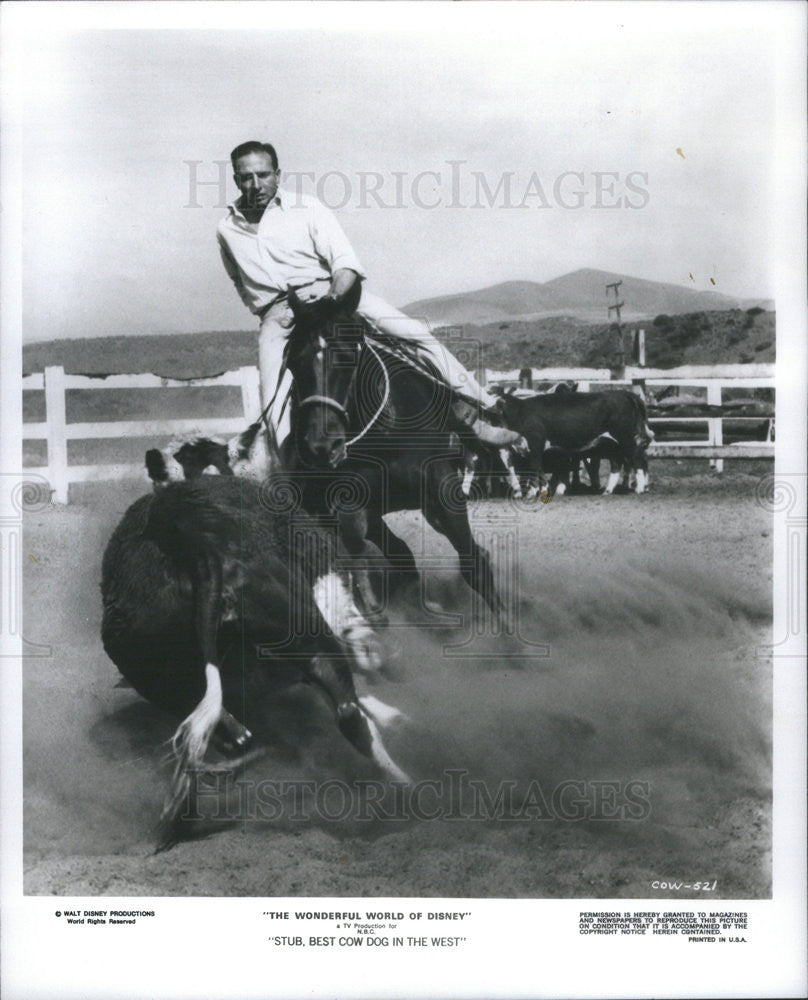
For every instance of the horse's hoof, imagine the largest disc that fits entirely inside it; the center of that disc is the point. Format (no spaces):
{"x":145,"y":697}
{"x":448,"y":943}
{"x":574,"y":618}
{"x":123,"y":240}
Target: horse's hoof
{"x":229,"y":744}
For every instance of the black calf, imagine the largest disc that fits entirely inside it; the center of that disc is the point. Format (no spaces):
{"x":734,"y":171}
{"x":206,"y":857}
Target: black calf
{"x":575,"y":423}
{"x":201,"y":574}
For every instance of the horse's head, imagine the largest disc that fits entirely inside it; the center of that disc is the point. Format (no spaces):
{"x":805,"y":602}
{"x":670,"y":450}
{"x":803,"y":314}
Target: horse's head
{"x":322,"y":355}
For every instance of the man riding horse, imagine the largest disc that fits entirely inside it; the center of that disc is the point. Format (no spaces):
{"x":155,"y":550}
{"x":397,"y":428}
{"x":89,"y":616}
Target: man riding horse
{"x":272,"y":241}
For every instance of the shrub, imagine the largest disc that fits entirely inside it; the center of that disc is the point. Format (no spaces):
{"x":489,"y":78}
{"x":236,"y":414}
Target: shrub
{"x":688,"y":332}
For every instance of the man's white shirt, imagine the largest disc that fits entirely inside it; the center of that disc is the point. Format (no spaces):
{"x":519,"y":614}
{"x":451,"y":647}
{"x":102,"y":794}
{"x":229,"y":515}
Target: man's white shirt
{"x":297,"y":241}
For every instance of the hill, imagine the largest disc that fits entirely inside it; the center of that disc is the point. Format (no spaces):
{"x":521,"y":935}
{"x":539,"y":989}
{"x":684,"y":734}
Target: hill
{"x":179,"y":355}
{"x":729,"y":336}
{"x":580,"y":294}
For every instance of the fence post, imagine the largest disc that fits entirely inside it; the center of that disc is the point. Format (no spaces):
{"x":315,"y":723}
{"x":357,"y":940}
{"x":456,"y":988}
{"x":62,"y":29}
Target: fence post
{"x":56,"y":416}
{"x":715,"y":425}
{"x":250,"y":393}
{"x":641,"y":348}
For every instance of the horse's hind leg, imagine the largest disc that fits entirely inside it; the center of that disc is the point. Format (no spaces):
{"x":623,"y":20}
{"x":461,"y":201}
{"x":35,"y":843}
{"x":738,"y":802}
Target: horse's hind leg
{"x":475,"y":563}
{"x":400,"y":570}
{"x":332,"y":675}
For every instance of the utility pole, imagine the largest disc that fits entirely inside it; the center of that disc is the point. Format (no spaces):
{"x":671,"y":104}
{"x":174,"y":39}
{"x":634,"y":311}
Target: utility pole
{"x":615,"y":307}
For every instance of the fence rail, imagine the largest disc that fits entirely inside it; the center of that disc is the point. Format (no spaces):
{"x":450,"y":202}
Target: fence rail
{"x":56,"y":430}
{"x":753,"y":376}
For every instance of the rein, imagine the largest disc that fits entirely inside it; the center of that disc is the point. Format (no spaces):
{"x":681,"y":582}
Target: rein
{"x":383,"y":403}
{"x":272,"y":438}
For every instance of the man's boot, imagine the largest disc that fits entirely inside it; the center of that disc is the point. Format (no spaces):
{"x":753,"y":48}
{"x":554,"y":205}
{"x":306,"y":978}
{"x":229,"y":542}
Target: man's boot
{"x":470,"y":414}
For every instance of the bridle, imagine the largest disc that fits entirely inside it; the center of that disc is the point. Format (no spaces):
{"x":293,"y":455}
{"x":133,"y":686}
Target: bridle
{"x":341,"y":409}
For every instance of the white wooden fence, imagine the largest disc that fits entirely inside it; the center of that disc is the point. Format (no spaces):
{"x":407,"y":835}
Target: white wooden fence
{"x":57,"y":431}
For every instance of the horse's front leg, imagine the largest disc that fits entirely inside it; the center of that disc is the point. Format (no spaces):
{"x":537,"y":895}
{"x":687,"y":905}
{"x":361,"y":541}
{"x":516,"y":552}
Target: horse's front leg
{"x":395,"y":550}
{"x":353,"y":532}
{"x":401,"y":573}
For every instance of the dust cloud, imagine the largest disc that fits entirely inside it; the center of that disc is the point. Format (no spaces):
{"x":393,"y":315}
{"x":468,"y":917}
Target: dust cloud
{"x":652,"y":674}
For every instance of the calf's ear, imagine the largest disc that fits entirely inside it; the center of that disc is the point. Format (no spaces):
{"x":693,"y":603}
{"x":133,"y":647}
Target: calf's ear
{"x":239,"y":447}
{"x":156,"y":466}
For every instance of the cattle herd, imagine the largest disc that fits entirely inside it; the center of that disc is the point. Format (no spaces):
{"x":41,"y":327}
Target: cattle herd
{"x":218,"y":572}
{"x":564,"y":430}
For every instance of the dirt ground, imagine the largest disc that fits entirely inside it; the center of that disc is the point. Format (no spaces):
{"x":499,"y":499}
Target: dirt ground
{"x":652,"y":610}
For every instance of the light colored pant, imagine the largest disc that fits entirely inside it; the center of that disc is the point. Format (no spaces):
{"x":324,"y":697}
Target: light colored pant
{"x":277,"y":322}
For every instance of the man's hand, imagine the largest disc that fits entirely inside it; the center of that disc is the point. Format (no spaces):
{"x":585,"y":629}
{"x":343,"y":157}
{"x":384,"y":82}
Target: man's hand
{"x":343,"y":282}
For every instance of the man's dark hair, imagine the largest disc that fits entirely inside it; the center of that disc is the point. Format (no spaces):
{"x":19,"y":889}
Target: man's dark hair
{"x":254,"y":147}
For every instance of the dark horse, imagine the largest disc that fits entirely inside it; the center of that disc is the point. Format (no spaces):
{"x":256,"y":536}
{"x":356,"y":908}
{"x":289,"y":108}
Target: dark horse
{"x":370,"y":435}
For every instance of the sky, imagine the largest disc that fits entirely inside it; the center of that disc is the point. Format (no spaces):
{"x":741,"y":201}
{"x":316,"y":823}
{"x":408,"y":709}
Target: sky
{"x":458,"y":150}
